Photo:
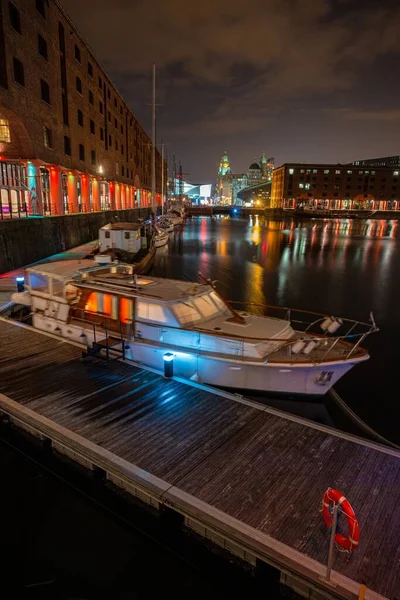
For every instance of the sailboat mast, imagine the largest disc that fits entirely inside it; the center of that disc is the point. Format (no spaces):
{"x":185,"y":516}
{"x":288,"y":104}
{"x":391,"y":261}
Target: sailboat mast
{"x":153,"y":144}
{"x":162,"y":177}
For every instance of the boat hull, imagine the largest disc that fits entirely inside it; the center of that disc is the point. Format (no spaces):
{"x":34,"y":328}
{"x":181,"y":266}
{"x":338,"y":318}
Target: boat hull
{"x":227,"y":372}
{"x":142,"y":266}
{"x":161,"y":241}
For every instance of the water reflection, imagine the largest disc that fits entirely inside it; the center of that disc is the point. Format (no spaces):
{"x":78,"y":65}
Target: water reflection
{"x":347,"y":267}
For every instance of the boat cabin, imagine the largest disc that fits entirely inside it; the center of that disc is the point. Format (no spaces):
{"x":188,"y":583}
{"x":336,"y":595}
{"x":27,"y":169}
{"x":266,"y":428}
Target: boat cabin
{"x":130,"y":237}
{"x":76,"y":298}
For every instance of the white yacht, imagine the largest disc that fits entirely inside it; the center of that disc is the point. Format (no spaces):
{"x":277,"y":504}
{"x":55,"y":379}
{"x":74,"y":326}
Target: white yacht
{"x":175,"y":215}
{"x":151,"y":319}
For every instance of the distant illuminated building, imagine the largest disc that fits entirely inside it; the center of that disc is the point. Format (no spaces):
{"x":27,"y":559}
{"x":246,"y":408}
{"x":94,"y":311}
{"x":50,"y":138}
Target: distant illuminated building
{"x":224,"y":183}
{"x":224,"y":166}
{"x":270,"y":168}
{"x":256,"y":195}
{"x":386,"y":161}
{"x":239,"y":183}
{"x":337,"y":186}
{"x":230,"y":185}
{"x":254,"y":174}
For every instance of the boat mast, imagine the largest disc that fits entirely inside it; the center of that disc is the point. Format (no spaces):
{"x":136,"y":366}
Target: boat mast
{"x":162,"y":177}
{"x":153,"y":144}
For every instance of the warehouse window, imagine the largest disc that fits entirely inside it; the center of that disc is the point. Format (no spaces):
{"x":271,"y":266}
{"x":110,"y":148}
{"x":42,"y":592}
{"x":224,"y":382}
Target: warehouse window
{"x":81,"y":152}
{"x":80,"y":117}
{"x":93,"y":157}
{"x":40,"y":8}
{"x":45,"y":91}
{"x":92,"y":129}
{"x":67,"y":145}
{"x":79,"y":85}
{"x":77,"y":53}
{"x":90,"y":69}
{"x":47,"y":137}
{"x":42,"y":47}
{"x":19,"y":75}
{"x":15,"y":17}
{"x":91,"y":98}
{"x":5,"y":136}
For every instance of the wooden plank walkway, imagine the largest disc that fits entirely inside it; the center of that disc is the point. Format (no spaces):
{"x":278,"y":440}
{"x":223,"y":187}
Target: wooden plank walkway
{"x":267,"y":471}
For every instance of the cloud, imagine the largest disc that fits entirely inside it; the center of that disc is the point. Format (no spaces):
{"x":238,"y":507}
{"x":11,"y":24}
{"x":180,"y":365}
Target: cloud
{"x":229,"y":67}
{"x":304,"y":43}
{"x":354,"y":114}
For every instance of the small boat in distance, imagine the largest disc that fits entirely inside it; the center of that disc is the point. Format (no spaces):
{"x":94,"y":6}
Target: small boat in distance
{"x":148,"y":319}
{"x":161,"y":238}
{"x":131,"y":243}
{"x":176,"y":215}
{"x":165,"y":224}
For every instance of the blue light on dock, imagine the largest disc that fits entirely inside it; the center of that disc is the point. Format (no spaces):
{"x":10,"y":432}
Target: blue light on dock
{"x":20,"y":284}
{"x":168,"y":364}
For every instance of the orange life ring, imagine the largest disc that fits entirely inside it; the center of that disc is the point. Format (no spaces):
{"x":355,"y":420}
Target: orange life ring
{"x":335,"y":497}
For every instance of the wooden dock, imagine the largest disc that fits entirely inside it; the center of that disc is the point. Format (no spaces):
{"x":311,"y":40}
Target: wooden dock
{"x":246,"y":476}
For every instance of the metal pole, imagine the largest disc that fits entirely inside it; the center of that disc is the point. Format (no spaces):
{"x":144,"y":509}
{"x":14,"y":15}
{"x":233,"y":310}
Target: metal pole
{"x":363,"y":589}
{"x":162,"y":177}
{"x":153,"y":144}
{"x":332,"y":541}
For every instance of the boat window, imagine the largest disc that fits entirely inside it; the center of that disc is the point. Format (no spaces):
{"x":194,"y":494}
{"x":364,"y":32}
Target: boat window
{"x":150,"y":311}
{"x":107,"y":234}
{"x":58,"y":288}
{"x":220,"y":304}
{"x":206,"y":306}
{"x":103,"y":303}
{"x":39,"y":283}
{"x":126,"y":310}
{"x":127,"y":235}
{"x":187,"y":313}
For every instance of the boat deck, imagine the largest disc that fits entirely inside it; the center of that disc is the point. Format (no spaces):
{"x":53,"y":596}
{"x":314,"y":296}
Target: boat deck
{"x":259,"y":468}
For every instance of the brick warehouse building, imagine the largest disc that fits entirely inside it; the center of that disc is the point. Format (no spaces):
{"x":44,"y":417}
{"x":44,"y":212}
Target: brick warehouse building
{"x":336,"y":186}
{"x":68,"y":141}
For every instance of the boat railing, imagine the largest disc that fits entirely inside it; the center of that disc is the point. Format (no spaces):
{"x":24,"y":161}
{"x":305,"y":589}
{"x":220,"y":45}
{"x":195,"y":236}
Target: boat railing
{"x":351,"y":339}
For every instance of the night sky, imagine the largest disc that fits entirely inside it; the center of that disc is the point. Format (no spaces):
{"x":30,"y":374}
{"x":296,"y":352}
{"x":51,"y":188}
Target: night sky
{"x":302,"y":80}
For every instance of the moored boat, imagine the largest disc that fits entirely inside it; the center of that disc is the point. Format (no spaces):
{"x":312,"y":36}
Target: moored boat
{"x":176,"y":215}
{"x":209,"y":341}
{"x":161,"y":238}
{"x":131,"y":243}
{"x":165,"y":224}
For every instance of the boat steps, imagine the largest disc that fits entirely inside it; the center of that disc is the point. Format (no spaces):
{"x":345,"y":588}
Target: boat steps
{"x":116,"y":343}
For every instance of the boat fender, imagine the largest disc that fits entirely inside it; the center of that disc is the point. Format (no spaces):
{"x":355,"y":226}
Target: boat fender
{"x":298,"y":346}
{"x":310,"y":347}
{"x":334,"y":326}
{"x":331,"y":497}
{"x":326,"y":323}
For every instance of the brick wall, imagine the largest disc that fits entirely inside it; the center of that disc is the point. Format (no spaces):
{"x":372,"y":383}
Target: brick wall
{"x":130,"y":149}
{"x":24,"y":241}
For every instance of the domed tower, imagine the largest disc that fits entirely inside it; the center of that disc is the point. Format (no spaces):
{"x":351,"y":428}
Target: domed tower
{"x":263,"y":165}
{"x":254,"y":174}
{"x":224,"y":166}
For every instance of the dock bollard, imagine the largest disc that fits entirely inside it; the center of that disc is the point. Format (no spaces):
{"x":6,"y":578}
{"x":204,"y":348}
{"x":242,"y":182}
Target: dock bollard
{"x":20,"y":284}
{"x":168,"y":365}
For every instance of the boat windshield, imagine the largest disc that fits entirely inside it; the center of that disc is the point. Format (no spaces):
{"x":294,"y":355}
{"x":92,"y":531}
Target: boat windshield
{"x":202,"y":308}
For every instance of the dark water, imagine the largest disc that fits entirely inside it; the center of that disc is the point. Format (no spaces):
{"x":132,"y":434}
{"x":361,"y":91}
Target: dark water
{"x":341,"y":267}
{"x":64,"y":537}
